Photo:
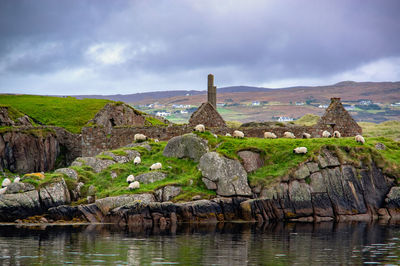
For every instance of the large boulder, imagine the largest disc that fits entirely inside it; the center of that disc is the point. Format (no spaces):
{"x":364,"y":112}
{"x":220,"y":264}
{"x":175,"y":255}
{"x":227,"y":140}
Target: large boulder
{"x":19,"y":188}
{"x":228,"y":176}
{"x":109,"y":203}
{"x":19,"y":205}
{"x":186,"y":146}
{"x":54,"y":194}
{"x":167,"y":193}
{"x":150,"y":177}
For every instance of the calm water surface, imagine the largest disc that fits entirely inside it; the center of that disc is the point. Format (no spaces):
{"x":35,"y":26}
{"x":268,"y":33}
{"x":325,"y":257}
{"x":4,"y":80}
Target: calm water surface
{"x":218,"y":244}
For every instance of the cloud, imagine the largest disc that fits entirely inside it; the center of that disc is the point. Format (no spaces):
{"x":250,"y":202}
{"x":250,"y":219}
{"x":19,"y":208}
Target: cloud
{"x":133,"y":46}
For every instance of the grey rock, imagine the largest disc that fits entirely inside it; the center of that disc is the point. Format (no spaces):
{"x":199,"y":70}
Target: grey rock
{"x":186,"y":146}
{"x":196,"y":197}
{"x":91,"y":199}
{"x":116,"y":158}
{"x":142,"y":144}
{"x":380,"y":146}
{"x":131,"y":154}
{"x":327,"y":159}
{"x":54,"y":194}
{"x":91,"y":190}
{"x":170,"y":192}
{"x":19,"y":188}
{"x":71,"y":173}
{"x":302,"y":172}
{"x":109,"y":203}
{"x":300,"y":197}
{"x":251,"y":160}
{"x":19,"y":205}
{"x":393,"y":195}
{"x":97,"y":164}
{"x":150,"y":177}
{"x":312,"y":167}
{"x":209,"y":184}
{"x":229,"y":175}
{"x":317,"y":182}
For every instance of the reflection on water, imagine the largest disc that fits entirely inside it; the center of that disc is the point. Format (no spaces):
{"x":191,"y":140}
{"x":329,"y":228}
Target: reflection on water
{"x":206,"y":244}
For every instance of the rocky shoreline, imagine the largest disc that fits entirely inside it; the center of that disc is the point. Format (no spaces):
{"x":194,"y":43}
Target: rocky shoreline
{"x":323,"y":188}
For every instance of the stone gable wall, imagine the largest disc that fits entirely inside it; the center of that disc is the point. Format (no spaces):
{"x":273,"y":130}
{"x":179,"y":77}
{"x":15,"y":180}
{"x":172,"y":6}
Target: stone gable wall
{"x":208,"y":116}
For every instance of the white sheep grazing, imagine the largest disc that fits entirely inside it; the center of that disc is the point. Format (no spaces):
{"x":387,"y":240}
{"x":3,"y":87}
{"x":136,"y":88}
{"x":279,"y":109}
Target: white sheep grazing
{"x":336,"y":134}
{"x":156,"y":140}
{"x":360,"y":139}
{"x":238,"y":134}
{"x":306,"y":136}
{"x":200,"y":128}
{"x":6,"y":182}
{"x":215,"y":136}
{"x":130,"y":179}
{"x":139,"y":137}
{"x":137,"y":160}
{"x":134,"y":185}
{"x":17,"y":179}
{"x":300,"y":150}
{"x":228,"y":135}
{"x":156,"y":166}
{"x":288,"y":135}
{"x":326,"y":134}
{"x":269,"y":135}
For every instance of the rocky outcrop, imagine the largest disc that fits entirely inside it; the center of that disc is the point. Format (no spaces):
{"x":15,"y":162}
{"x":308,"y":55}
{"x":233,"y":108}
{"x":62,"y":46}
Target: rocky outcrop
{"x":36,"y":149}
{"x":325,"y":190}
{"x":71,"y":173}
{"x":167,"y":193}
{"x":32,"y":202}
{"x":186,"y":146}
{"x":10,"y":117}
{"x":226,"y":176}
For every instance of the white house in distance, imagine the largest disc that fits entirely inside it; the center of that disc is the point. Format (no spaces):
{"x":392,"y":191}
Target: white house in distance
{"x":163,"y":114}
{"x":255,"y":103}
{"x":323,"y":106}
{"x":285,"y":119}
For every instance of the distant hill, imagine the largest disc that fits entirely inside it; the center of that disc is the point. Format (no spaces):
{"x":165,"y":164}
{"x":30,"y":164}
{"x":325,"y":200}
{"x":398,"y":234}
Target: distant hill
{"x":347,"y":90}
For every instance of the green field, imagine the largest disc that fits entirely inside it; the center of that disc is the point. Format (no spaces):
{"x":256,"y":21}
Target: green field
{"x":67,"y":112}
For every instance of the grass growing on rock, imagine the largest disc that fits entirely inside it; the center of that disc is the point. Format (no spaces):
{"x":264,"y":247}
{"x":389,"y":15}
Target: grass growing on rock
{"x":279,"y":159}
{"x":180,"y":172}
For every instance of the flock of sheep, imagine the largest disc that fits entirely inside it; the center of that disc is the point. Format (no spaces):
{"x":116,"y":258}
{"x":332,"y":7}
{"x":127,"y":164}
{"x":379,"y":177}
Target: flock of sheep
{"x":289,"y":135}
{"x":6,"y":182}
{"x":132,"y":184}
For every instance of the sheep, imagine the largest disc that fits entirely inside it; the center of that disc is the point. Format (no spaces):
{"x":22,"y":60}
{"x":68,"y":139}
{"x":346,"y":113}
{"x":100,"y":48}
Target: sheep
{"x":288,"y":135}
{"x":360,"y":139}
{"x":336,"y":134}
{"x":306,"y":135}
{"x":156,"y":166}
{"x":326,"y":134}
{"x":139,"y":137}
{"x":17,"y":179}
{"x":238,"y":134}
{"x":6,"y":182}
{"x":200,"y":128}
{"x":130,"y":179}
{"x":156,"y":140}
{"x":134,"y":185}
{"x":228,"y":135}
{"x":269,"y":135}
{"x":137,"y":160}
{"x":215,"y":136}
{"x":300,"y":150}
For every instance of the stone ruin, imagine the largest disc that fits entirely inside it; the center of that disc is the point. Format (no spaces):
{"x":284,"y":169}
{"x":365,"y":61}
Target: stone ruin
{"x":207,"y":113}
{"x":337,"y":118}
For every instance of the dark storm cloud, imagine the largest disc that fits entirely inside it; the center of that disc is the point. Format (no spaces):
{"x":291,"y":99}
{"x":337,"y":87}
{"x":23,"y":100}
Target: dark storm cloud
{"x":152,"y":45}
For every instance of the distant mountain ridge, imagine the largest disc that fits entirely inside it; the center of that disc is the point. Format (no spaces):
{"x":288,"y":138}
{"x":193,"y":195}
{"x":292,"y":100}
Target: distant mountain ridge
{"x":349,"y":90}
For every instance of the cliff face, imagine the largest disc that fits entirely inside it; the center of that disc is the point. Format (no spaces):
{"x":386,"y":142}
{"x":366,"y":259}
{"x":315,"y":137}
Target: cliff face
{"x":326,"y":190}
{"x":31,"y":149}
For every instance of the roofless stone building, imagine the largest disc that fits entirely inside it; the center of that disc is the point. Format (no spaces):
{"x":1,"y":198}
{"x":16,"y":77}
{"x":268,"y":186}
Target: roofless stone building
{"x":337,"y":118}
{"x":207,"y":113}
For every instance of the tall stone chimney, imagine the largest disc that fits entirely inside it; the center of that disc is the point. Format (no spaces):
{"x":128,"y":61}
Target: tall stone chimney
{"x":212,"y":91}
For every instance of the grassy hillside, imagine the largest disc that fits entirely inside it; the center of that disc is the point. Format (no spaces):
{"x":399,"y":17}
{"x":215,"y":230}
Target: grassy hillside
{"x":278,"y":155}
{"x":69,"y":113}
{"x":388,"y":129}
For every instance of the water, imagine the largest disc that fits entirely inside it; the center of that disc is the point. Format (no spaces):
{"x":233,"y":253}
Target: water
{"x":204,"y":244}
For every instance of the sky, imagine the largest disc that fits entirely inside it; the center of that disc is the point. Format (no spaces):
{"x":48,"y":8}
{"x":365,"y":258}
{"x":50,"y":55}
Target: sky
{"x":75,"y":47}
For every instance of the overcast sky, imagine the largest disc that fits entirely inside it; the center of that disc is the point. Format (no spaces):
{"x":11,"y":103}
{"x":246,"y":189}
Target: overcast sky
{"x":109,"y":47}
